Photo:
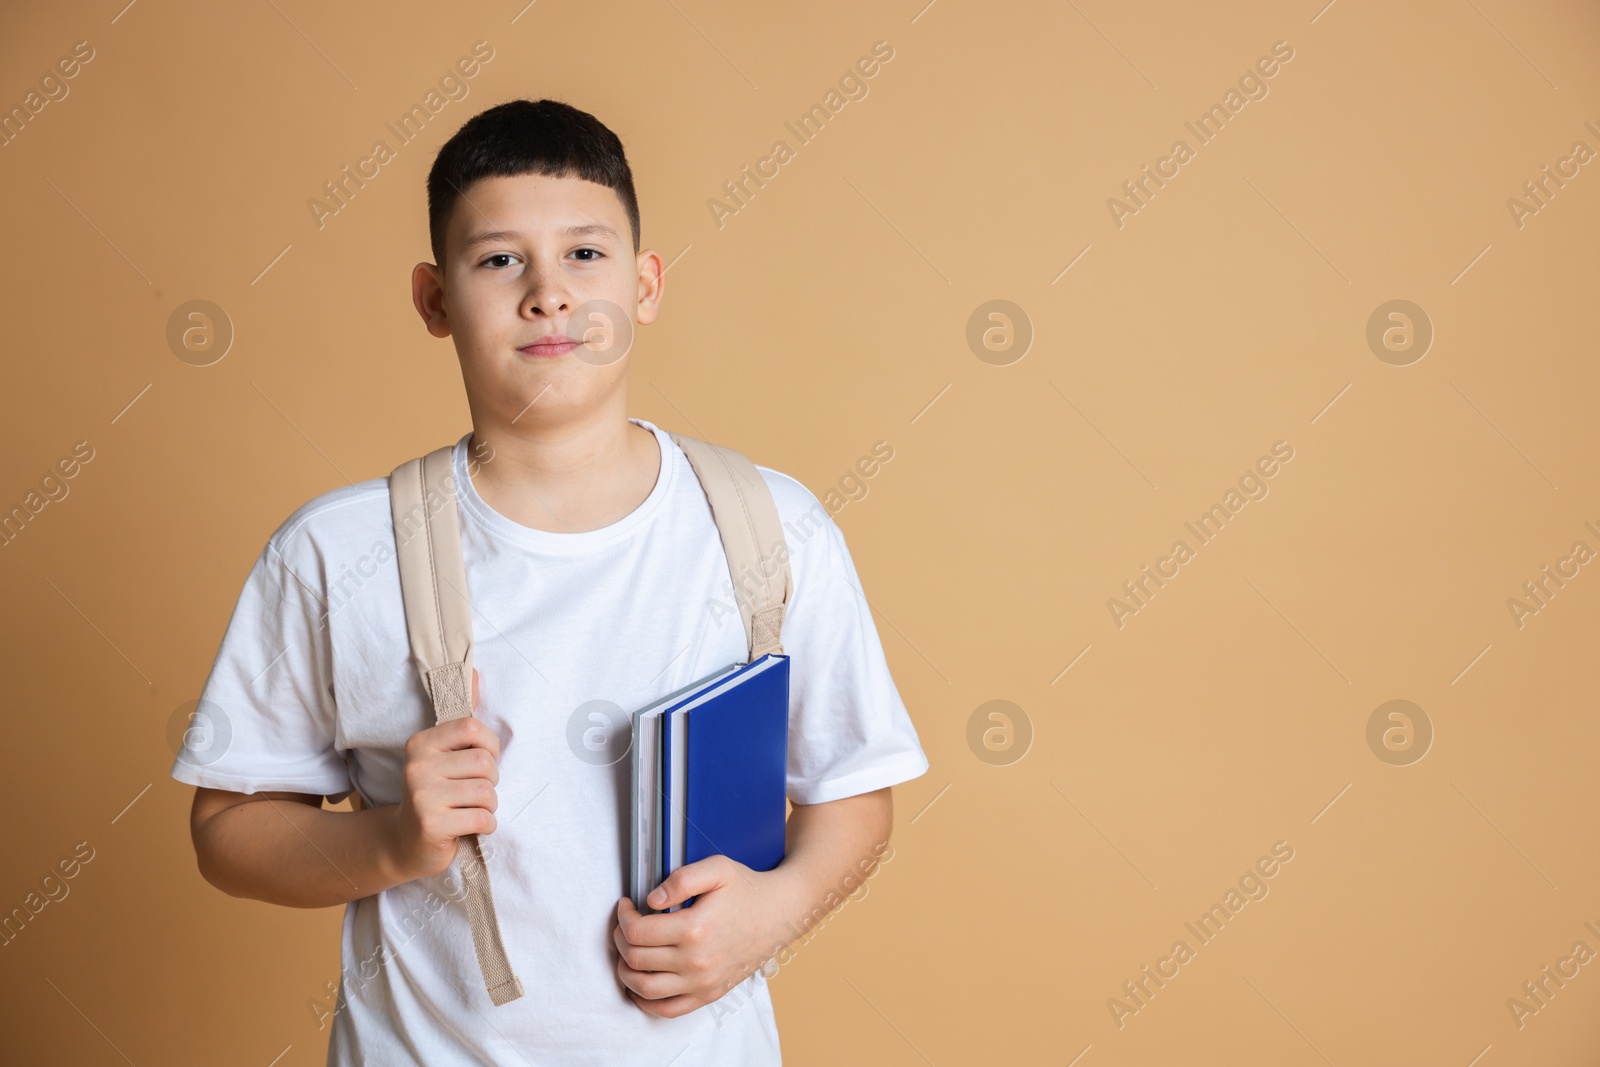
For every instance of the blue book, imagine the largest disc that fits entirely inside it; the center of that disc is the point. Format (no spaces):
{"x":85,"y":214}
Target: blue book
{"x":645,"y":868}
{"x":719,"y":756}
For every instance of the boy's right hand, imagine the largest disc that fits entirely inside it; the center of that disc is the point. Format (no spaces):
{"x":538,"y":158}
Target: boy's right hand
{"x":451,"y":770}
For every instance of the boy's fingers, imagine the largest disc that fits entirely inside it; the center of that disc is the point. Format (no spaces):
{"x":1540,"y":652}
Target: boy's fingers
{"x":474,"y":687}
{"x":644,"y":960}
{"x":464,"y":764}
{"x":636,"y":929}
{"x":468,"y":731}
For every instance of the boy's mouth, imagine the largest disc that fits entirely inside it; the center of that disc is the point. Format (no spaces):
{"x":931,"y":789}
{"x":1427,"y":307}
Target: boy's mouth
{"x":553,"y":345}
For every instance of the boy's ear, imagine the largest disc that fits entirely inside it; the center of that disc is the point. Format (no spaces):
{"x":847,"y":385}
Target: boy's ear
{"x":427,"y":293}
{"x":652,"y":285}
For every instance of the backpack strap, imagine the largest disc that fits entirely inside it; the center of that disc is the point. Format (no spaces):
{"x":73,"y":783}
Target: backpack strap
{"x":433,"y":585}
{"x":752,"y":537}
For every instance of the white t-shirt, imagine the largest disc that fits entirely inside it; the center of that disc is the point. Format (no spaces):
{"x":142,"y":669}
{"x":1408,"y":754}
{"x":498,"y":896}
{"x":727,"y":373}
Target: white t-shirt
{"x":313,"y":691}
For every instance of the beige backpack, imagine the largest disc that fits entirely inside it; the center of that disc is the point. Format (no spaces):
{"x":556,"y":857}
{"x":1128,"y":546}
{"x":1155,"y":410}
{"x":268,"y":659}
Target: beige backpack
{"x":439,"y":617}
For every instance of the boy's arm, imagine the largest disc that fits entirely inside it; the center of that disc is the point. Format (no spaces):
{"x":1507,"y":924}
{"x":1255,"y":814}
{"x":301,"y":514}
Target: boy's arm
{"x":833,"y":848}
{"x":285,"y":848}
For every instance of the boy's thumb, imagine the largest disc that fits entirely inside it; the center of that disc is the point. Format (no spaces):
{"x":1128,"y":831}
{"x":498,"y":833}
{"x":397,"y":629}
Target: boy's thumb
{"x":687,"y":881}
{"x":666,"y":894}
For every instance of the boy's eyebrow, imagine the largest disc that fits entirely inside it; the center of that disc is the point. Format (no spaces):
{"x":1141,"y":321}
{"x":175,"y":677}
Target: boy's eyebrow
{"x":588,"y":229}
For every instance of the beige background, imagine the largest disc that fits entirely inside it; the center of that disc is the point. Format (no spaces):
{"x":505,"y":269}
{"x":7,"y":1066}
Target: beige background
{"x":1229,"y":313}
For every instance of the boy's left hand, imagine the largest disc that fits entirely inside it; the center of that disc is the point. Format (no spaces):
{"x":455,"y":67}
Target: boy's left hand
{"x":674,"y":963}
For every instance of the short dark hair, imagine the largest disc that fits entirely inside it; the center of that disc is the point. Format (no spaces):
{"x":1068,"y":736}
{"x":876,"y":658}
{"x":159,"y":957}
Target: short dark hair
{"x":544,"y":137}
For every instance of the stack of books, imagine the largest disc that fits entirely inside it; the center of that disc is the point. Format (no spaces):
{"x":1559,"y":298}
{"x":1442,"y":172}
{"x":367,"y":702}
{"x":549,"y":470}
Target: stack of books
{"x":709,"y":774}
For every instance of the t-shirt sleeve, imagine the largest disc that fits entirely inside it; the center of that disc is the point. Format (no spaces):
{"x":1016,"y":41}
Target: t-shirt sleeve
{"x":849,"y":730}
{"x":265,"y":719}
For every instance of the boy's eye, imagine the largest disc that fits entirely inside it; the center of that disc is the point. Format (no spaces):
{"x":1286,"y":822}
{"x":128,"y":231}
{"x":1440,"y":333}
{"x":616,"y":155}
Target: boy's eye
{"x":507,"y":257}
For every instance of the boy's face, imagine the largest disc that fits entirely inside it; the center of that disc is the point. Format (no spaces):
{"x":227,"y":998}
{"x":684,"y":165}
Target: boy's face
{"x":527,"y":258}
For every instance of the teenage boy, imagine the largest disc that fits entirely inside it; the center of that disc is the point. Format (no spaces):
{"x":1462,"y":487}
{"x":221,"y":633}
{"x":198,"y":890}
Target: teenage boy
{"x":598,"y":583}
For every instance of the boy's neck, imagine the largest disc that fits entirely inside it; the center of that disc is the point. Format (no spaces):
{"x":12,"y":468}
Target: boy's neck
{"x":569,"y":477}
